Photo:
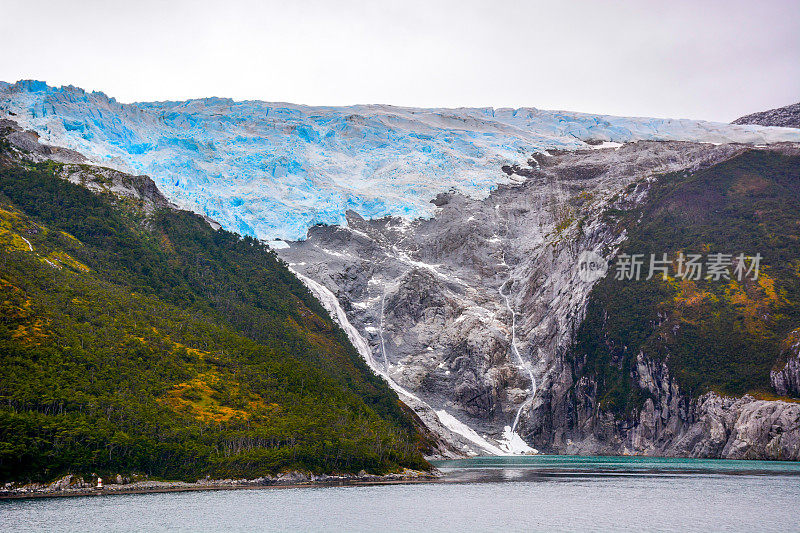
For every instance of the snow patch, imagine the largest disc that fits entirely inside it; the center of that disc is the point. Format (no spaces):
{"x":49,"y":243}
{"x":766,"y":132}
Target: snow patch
{"x":606,"y":144}
{"x":278,"y":244}
{"x":513,"y":444}
{"x":458,"y":427}
{"x":27,"y":242}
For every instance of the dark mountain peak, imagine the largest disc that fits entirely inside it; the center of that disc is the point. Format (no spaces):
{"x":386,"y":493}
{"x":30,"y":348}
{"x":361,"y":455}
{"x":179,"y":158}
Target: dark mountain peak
{"x":786,"y":117}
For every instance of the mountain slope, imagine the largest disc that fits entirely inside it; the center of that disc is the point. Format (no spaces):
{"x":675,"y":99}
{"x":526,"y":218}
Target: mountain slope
{"x":785,"y":117}
{"x":477,"y":309}
{"x":472,"y":311}
{"x":723,"y":335}
{"x":135,"y":338}
{"x":272,"y":170}
{"x":695,"y":367}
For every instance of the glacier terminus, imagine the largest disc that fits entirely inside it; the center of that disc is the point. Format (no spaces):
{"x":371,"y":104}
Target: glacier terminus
{"x":273,"y":170}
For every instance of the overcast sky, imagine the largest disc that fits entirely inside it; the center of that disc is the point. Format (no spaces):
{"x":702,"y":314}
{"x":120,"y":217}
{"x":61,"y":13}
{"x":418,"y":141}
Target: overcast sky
{"x":665,"y":58}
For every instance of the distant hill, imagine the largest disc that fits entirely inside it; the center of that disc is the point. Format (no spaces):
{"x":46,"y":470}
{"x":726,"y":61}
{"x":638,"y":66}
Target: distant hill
{"x":135,"y":338}
{"x":786,"y":117}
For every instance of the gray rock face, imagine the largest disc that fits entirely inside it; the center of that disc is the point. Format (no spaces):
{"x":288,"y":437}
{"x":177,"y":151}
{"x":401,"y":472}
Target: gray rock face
{"x":786,"y":380}
{"x":446,"y":304}
{"x":61,"y":484}
{"x":28,"y":142}
{"x":786,"y":117}
{"x":671,"y":424}
{"x":140,"y":191}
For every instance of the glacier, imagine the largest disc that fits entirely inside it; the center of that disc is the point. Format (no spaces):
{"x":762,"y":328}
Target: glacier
{"x":273,"y":170}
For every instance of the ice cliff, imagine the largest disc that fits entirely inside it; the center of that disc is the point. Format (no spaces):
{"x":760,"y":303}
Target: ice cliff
{"x":272,"y":170}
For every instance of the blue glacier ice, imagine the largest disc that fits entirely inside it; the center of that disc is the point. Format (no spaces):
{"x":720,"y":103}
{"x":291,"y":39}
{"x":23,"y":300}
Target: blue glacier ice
{"x":272,"y":170}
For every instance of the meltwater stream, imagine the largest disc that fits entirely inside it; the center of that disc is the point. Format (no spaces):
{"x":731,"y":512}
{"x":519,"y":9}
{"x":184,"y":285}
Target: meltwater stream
{"x":514,"y":443}
{"x":331,"y":304}
{"x":510,"y":444}
{"x":533,"y":493}
{"x":521,"y":361}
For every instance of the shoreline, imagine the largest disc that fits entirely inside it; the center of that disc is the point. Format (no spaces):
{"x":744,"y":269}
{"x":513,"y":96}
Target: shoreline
{"x":199,"y":488}
{"x":568,"y":467}
{"x":155,"y":487}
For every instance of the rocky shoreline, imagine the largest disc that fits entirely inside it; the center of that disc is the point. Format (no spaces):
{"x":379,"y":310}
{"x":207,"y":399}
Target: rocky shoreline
{"x":77,"y":486}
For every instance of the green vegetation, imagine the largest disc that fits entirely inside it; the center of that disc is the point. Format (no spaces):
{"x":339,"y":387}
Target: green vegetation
{"x":714,"y":335}
{"x":154,"y":344}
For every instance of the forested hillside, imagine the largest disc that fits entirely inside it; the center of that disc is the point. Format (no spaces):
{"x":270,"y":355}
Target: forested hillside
{"x":715,"y":333}
{"x":136,"y":338}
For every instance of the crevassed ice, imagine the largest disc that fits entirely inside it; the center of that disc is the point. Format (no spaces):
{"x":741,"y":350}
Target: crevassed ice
{"x":272,"y":170}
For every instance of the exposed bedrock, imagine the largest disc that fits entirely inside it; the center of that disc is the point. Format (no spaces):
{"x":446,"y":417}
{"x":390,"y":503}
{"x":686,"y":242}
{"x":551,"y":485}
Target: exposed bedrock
{"x":786,"y":378}
{"x":426,"y":295}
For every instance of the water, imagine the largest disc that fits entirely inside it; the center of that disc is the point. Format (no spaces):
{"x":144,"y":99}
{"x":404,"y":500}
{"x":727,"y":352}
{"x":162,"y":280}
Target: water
{"x":507,"y":494}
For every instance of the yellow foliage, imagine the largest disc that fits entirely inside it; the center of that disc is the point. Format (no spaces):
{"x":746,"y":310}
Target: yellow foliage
{"x":12,"y":224}
{"x":199,"y":398}
{"x":690,"y":295}
{"x":71,"y":237}
{"x":17,"y":311}
{"x":755,"y":300}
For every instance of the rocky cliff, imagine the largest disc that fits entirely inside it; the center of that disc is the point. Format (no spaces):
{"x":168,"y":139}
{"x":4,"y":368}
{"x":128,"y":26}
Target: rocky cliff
{"x":785,"y":117}
{"x":475,"y":311}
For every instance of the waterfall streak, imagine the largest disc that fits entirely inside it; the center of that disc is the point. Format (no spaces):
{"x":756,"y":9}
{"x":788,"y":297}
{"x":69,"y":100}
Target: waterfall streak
{"x":331,"y":304}
{"x":516,"y":353}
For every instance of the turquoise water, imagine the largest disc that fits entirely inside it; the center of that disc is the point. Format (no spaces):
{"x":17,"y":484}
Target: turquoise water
{"x":487,"y":468}
{"x":507,"y":494}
